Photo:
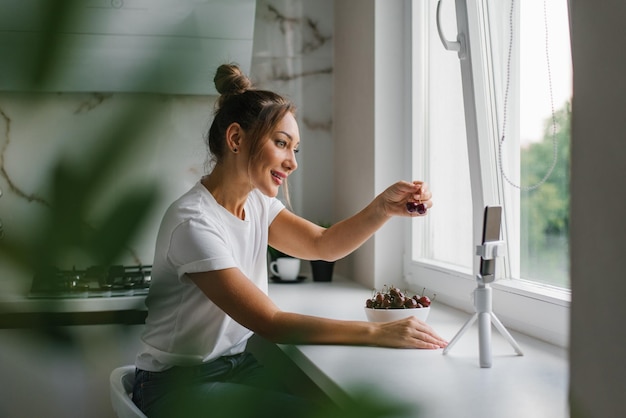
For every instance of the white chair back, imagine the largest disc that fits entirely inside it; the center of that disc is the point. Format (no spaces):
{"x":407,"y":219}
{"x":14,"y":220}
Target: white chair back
{"x":121,"y":381}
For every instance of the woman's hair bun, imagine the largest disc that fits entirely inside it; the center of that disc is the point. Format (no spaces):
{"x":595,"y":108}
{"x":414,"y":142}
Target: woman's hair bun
{"x":229,"y":79}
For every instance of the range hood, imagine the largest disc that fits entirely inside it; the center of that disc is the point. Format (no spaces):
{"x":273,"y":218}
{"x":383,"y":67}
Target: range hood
{"x":155,"y":46}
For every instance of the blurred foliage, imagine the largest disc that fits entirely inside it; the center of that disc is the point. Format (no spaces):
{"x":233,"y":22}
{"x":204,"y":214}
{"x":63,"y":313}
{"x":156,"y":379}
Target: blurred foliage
{"x":73,"y":196}
{"x":40,"y":62}
{"x":364,"y":402}
{"x":545,"y":210}
{"x":74,"y":193}
{"x":367,"y":403}
{"x":67,"y":229}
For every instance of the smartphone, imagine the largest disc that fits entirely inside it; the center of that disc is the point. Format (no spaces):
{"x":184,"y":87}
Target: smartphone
{"x":491,"y":232}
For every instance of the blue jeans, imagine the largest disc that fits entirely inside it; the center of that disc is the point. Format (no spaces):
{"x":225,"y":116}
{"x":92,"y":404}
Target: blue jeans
{"x":230,"y":386}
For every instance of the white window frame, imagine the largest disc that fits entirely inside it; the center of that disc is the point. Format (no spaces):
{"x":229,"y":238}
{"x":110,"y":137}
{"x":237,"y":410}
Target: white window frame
{"x":537,"y":310}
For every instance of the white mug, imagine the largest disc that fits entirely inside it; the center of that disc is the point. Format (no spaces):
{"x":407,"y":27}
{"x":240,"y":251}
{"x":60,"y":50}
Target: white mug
{"x":286,"y":268}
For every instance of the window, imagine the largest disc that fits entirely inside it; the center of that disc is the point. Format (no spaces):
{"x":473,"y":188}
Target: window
{"x":545,"y":211}
{"x":522,"y":102}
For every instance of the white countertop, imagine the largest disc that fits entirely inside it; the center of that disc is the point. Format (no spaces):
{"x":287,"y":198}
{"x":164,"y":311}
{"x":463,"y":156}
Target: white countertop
{"x":441,"y":386}
{"x":22,"y":304}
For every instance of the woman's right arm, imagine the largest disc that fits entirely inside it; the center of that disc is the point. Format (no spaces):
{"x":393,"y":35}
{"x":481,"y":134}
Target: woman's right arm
{"x":303,"y":239}
{"x":236,"y":295}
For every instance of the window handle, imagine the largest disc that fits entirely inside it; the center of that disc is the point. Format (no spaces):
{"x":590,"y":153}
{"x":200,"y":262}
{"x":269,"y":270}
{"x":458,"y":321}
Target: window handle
{"x":458,"y":45}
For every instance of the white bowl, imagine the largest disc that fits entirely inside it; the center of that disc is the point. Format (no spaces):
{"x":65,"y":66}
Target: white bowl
{"x":386,"y":315}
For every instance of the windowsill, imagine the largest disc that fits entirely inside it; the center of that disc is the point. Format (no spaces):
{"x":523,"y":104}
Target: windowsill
{"x":539,"y":311}
{"x":439,"y":385}
{"x":548,"y":294}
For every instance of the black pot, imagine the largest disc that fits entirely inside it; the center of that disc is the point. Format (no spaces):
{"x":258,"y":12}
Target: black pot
{"x":322,"y":270}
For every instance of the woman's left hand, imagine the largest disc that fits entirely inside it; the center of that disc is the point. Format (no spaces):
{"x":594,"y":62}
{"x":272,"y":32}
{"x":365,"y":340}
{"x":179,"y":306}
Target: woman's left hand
{"x":395,"y":198}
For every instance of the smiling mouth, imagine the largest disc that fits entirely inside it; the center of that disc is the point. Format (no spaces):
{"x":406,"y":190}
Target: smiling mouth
{"x":278,"y":177}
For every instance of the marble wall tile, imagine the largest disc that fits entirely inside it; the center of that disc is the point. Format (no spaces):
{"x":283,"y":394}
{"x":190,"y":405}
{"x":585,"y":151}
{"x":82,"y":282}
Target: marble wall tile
{"x":292,"y":55}
{"x":38,"y":130}
{"x":290,"y":28}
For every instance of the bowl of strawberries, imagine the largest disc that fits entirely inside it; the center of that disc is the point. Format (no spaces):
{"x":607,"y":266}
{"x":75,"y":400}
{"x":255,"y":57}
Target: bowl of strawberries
{"x":391,"y":304}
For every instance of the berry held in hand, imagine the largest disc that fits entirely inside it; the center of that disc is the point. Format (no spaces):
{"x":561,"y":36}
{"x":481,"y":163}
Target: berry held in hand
{"x":416,"y":207}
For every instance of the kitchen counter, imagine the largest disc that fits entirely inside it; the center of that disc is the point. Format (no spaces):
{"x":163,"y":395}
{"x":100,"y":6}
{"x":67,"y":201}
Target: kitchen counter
{"x":23,"y":304}
{"x":84,"y":296}
{"x":18,"y":311}
{"x":440,"y":386}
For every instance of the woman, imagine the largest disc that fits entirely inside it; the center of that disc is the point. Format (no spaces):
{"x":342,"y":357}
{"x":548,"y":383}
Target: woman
{"x":209,"y":277}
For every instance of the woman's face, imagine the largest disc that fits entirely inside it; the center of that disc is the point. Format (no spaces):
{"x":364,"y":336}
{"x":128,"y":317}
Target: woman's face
{"x":277,"y":158}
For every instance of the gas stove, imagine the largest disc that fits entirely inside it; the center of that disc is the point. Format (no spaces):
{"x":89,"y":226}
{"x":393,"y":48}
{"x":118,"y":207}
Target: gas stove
{"x":92,"y":282}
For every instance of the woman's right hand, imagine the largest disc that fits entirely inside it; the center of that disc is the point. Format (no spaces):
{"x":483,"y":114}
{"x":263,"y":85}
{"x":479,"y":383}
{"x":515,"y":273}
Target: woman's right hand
{"x":408,"y":333}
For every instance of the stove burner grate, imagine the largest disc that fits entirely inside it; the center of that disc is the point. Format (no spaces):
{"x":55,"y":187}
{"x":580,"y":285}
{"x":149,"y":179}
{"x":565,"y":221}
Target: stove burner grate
{"x":95,"y":281}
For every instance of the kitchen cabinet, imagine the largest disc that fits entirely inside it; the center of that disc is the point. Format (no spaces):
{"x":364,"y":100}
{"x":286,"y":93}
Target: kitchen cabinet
{"x":155,"y":46}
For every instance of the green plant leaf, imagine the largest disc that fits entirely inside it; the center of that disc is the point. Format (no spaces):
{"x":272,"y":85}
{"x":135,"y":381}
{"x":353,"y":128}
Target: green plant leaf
{"x":121,"y":224}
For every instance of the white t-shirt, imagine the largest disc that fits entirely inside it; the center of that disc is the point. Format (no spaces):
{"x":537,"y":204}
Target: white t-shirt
{"x":183,"y":326}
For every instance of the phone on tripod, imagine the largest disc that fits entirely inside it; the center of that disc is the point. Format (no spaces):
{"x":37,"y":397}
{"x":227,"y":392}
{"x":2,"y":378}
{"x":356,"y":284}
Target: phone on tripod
{"x":491,"y":232}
